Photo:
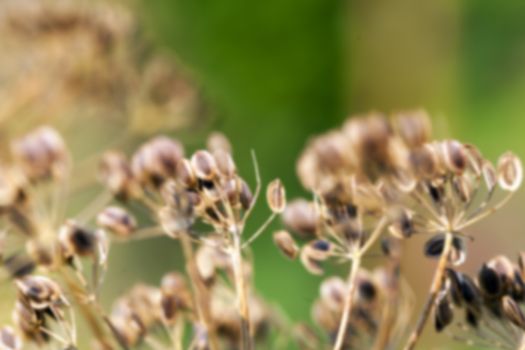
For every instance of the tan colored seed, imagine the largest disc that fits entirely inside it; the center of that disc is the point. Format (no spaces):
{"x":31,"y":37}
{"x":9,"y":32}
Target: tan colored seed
{"x":9,"y":340}
{"x":513,"y":312}
{"x":510,"y":172}
{"x":413,"y":127}
{"x":276,"y":196}
{"x":204,"y":165}
{"x":286,"y":244}
{"x":117,"y":220}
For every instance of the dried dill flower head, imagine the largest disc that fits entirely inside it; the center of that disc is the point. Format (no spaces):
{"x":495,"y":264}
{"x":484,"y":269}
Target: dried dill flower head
{"x":136,"y":317}
{"x":40,"y":306}
{"x":490,"y":306}
{"x":88,"y":61}
{"x":183,"y":192}
{"x":377,"y":172}
{"x":34,"y":195}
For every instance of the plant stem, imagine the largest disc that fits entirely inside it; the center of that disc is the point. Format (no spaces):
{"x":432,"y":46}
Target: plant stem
{"x":242,"y":293}
{"x":437,"y":283}
{"x":87,"y":312}
{"x":201,"y":298}
{"x":388,"y":318}
{"x":522,"y":343}
{"x":347,"y":308}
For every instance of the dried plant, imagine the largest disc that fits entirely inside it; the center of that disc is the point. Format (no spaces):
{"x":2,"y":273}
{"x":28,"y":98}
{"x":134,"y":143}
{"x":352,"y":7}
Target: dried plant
{"x":63,"y":63}
{"x":179,"y":193}
{"x":376,"y":173}
{"x":492,"y":304}
{"x":376,"y":179}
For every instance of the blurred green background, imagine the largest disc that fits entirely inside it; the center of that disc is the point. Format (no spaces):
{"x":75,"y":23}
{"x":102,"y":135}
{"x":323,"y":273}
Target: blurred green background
{"x":276,"y":72}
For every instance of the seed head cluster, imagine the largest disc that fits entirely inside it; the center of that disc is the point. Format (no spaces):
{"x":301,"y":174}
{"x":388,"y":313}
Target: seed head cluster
{"x":376,"y":179}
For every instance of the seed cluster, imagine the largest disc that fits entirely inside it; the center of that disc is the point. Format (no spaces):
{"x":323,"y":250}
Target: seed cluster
{"x":377,"y":179}
{"x":180,"y":194}
{"x":492,"y":304}
{"x":378,"y":175}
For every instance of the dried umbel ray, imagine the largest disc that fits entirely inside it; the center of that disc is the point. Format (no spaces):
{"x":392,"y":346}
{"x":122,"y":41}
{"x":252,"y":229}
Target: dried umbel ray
{"x":376,"y":173}
{"x":179,"y":193}
{"x":486,"y":311}
{"x":67,"y":62}
{"x":381,"y":306}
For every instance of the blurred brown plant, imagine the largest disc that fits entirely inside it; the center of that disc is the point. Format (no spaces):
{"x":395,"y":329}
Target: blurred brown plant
{"x":63,"y":63}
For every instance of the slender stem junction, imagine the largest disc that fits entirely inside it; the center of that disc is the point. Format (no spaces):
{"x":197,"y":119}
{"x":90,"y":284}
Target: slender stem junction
{"x":437,"y":283}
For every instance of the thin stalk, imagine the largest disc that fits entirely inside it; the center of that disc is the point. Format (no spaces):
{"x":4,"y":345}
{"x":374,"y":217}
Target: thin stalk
{"x":347,"y":309}
{"x":242,"y":293}
{"x":522,"y":343}
{"x":437,"y":283}
{"x":351,"y":285}
{"x":388,"y":318}
{"x":92,"y":320}
{"x":201,"y":299}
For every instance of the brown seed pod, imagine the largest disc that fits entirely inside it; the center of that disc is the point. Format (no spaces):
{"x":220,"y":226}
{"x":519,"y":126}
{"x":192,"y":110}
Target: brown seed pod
{"x":276,"y":196}
{"x":463,"y":188}
{"x":424,"y":162}
{"x":324,"y":317}
{"x":156,"y":160}
{"x":125,"y":325}
{"x":217,"y":141}
{"x":116,"y":174}
{"x":225,"y":163}
{"x":332,"y":293}
{"x":286,"y":244}
{"x":9,"y":340}
{"x":185,"y":175}
{"x":41,"y":292}
{"x":41,"y":154}
{"x":489,"y":175}
{"x":301,"y":217}
{"x":434,"y":247}
{"x":117,"y":221}
{"x":19,"y":265}
{"x":28,"y":323}
{"x":145,"y":301}
{"x":204,"y":165}
{"x":443,"y":315}
{"x":313,"y":254}
{"x":513,"y":312}
{"x":175,"y":296}
{"x":245,"y":195}
{"x":371,"y":138}
{"x":403,"y":224}
{"x":455,"y":156}
{"x":510,"y":172}
{"x":489,"y":281}
{"x":414,"y":127}
{"x":505,"y":271}
{"x":77,"y":240}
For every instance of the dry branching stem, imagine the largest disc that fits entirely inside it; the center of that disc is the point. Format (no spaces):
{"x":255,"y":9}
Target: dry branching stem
{"x":347,"y":309}
{"x":93,"y":322}
{"x":242,"y":293}
{"x":201,"y":300}
{"x":351,"y":283}
{"x":437,"y":283}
